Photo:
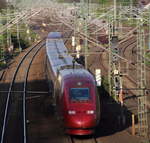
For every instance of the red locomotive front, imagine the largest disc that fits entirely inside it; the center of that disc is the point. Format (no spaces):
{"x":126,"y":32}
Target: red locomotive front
{"x":79,"y":105}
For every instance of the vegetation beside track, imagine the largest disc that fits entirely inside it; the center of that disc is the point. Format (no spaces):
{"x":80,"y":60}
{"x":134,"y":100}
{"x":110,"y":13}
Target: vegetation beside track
{"x":104,"y":2}
{"x":104,"y":86}
{"x":148,"y":57}
{"x":15,"y":39}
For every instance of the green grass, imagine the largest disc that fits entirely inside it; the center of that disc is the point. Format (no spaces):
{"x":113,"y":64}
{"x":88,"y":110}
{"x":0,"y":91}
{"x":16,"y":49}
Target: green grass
{"x":3,"y":65}
{"x":105,"y":83}
{"x":123,"y":2}
{"x":148,"y":56}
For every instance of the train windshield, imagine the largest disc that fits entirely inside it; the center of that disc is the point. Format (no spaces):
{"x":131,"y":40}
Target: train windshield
{"x":79,"y":94}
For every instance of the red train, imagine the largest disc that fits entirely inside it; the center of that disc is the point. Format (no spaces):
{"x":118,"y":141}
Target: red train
{"x":74,"y":89}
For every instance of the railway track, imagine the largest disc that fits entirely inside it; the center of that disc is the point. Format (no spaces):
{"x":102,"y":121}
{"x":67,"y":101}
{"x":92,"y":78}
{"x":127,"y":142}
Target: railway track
{"x":44,"y":125}
{"x":126,"y":50}
{"x":83,"y":140}
{"x":14,"y":111}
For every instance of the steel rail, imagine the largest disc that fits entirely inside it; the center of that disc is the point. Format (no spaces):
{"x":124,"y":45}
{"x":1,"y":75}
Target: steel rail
{"x":83,"y":140}
{"x":9,"y":92}
{"x":24,"y":93}
{"x":30,"y":92}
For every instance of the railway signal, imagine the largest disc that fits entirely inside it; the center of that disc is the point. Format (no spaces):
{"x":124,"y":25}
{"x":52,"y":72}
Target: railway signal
{"x":114,"y":46}
{"x":114,"y":75}
{"x":98,"y":77}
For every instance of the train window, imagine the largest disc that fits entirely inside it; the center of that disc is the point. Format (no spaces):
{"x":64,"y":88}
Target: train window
{"x":79,"y":94}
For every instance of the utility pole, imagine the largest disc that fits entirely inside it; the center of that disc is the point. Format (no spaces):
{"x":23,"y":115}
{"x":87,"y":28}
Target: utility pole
{"x":1,"y":42}
{"x":84,"y":13}
{"x":115,"y":17}
{"x":114,"y":78}
{"x":141,"y":81}
{"x":149,"y":30}
{"x":114,"y":65}
{"x":131,"y":7}
{"x":8,"y":17}
{"x":110,"y":56}
{"x":86,"y":42}
{"x":75,"y":27}
{"x":7,"y":13}
{"x":18,"y":37}
{"x":120,"y":22}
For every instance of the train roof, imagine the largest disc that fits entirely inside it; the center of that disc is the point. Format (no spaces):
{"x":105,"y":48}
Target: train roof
{"x":54,"y":35}
{"x":76,"y":73}
{"x":61,"y":62}
{"x":57,"y":54}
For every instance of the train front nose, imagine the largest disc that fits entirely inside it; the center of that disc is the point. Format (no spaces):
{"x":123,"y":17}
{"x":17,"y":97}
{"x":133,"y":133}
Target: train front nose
{"x":85,"y":119}
{"x":81,"y":124}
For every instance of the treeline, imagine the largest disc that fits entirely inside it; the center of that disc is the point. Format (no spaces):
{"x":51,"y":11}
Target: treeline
{"x":101,"y":1}
{"x":118,"y":1}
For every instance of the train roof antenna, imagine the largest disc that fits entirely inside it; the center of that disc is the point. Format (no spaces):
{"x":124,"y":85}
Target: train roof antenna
{"x":73,"y":62}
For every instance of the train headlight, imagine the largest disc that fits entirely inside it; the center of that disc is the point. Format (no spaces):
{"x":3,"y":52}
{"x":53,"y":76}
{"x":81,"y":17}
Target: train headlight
{"x":79,"y":83}
{"x":90,"y":111}
{"x":71,"y":112}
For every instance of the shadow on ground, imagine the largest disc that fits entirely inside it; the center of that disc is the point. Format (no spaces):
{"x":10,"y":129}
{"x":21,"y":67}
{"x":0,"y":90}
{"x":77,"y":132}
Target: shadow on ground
{"x":114,"y":117}
{"x":111,"y":120}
